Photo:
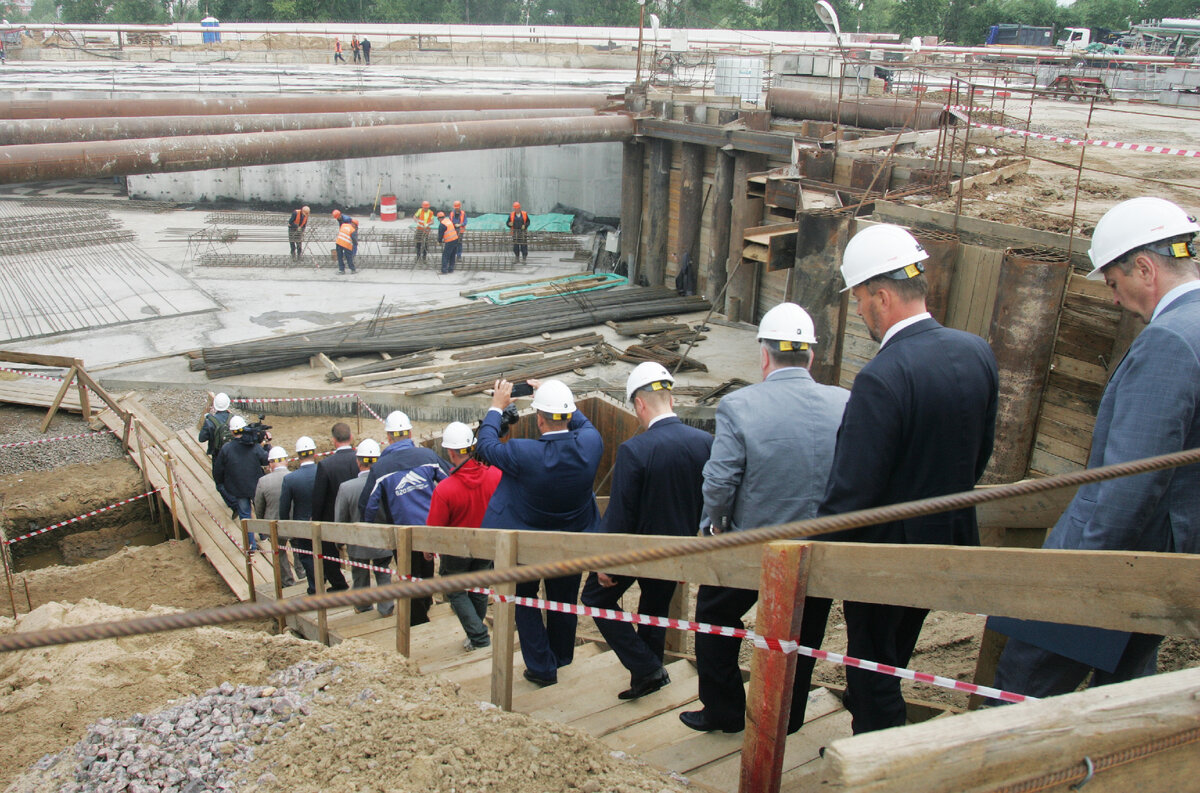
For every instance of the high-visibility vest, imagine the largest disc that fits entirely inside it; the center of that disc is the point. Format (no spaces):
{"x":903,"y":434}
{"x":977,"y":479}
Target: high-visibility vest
{"x":512,"y":219}
{"x":343,"y":237}
{"x":424,"y":218}
{"x":450,"y":234}
{"x":459,"y":218}
{"x":299,"y":219}
{"x":337,"y":46}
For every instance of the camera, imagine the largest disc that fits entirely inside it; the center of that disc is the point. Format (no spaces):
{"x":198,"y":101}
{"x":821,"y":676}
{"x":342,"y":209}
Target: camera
{"x":508,"y":417}
{"x":258,"y":431}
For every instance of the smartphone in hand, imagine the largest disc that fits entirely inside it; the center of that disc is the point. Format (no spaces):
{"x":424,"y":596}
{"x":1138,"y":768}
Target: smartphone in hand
{"x":522,"y":390}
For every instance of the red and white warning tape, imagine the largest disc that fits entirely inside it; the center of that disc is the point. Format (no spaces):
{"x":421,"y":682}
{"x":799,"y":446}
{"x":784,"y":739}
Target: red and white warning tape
{"x":84,"y":516}
{"x":363,"y":402}
{"x":969,"y":109}
{"x":59,"y":438}
{"x":24,"y":373}
{"x":1107,"y":144}
{"x":293,"y":399}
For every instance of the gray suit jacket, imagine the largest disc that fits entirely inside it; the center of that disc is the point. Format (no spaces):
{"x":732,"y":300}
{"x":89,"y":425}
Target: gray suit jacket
{"x":1151,"y":406}
{"x":773,"y":450}
{"x":345,"y":510}
{"x":266,"y":494}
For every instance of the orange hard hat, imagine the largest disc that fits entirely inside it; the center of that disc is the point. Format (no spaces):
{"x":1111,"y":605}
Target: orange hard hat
{"x":441,"y":214}
{"x":458,"y":204}
{"x":337,"y":213}
{"x":516,"y":204}
{"x":424,"y":205}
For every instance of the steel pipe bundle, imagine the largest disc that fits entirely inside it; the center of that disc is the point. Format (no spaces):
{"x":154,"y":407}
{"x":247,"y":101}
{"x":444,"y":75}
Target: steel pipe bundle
{"x":860,"y":111}
{"x":475,"y":324}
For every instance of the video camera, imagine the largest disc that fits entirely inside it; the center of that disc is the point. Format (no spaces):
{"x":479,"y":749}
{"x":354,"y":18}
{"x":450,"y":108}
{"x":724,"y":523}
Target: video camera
{"x":508,"y":417}
{"x":258,"y":431}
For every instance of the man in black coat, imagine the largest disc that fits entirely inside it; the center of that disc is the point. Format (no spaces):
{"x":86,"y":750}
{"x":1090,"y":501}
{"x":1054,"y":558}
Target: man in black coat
{"x":920,"y":423}
{"x":338,"y":467}
{"x":655,"y":490}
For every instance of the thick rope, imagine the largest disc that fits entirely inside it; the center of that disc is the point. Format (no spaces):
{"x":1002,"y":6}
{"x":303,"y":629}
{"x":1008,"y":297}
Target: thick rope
{"x":412,"y":589}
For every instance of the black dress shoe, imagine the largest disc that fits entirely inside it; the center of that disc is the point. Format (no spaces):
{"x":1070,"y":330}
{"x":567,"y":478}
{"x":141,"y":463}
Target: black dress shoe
{"x":647,"y":685}
{"x":700,"y":721}
{"x":540,"y":682}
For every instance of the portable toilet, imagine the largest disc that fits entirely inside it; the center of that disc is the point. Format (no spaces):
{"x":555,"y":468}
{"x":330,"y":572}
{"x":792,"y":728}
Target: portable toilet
{"x":210,"y":36}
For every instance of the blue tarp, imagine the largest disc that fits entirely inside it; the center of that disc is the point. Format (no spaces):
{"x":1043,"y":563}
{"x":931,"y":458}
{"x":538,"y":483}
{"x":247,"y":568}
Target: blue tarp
{"x":546,"y":222}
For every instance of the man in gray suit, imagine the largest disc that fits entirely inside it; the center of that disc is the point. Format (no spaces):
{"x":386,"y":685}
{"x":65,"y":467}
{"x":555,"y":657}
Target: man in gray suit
{"x":266,"y":506}
{"x":769,"y":463}
{"x":1143,"y":249}
{"x":345,"y":510}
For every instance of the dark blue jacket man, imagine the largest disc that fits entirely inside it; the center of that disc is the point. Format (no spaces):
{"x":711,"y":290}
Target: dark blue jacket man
{"x":655,"y":490}
{"x":547,"y":486}
{"x":920,"y":422}
{"x":237,"y":468}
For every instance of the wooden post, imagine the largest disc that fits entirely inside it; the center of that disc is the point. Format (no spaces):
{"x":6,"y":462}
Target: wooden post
{"x":58,"y":398}
{"x":722,"y":207}
{"x":658,"y":221}
{"x":768,"y":704}
{"x":282,"y":621}
{"x":358,"y":415}
{"x":187,"y":512}
{"x":504,"y":625}
{"x":171,"y":492}
{"x":404,"y":606}
{"x":319,"y":584}
{"x":85,"y":403}
{"x":678,"y":610}
{"x":691,"y":202}
{"x":8,"y":578}
{"x":137,"y":433}
{"x":632,"y":188}
{"x":249,"y":559}
{"x":746,"y":212}
{"x":125,"y":432}
{"x":816,"y":284}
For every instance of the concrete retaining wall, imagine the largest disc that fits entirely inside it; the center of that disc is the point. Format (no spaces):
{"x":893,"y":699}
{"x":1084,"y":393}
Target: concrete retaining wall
{"x":585,"y":176}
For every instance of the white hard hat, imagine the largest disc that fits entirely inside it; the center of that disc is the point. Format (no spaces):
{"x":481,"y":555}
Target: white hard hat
{"x":221,"y":402}
{"x":1134,"y":223}
{"x":237,"y":424}
{"x":789,"y":325}
{"x":368,"y":448}
{"x":554,"y":398}
{"x":277,"y":453}
{"x":645,"y":374}
{"x":397,"y":421}
{"x":457,"y":436}
{"x":305,"y":444}
{"x":879,"y":250}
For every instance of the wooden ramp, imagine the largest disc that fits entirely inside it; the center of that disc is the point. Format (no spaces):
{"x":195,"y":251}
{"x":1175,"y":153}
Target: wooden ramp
{"x":21,"y":390}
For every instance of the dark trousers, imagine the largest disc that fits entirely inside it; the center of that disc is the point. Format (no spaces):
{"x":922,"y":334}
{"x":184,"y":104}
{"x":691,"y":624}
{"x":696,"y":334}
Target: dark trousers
{"x":450,"y":253}
{"x":367,"y":56}
{"x":1034,"y":672}
{"x":640,"y":649}
{"x":887,"y":635}
{"x":422,"y":238}
{"x":362,"y":579}
{"x":295,"y":241}
{"x":345,"y":259}
{"x":469,"y":607}
{"x":333,"y":568}
{"x":520,"y":244}
{"x":721,"y":690}
{"x":545,"y":646}
{"x":421,"y":568}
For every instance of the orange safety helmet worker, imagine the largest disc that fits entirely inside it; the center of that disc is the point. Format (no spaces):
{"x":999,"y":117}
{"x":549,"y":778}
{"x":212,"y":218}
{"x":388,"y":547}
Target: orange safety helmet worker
{"x":343,"y":236}
{"x":441,"y":214}
{"x":424,"y":205}
{"x":337,"y":213}
{"x":449,"y":232}
{"x":516,"y":204}
{"x":458,"y":204}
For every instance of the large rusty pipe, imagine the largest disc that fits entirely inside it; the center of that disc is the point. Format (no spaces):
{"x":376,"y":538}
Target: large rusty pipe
{"x":863,"y":112}
{"x":74,"y":130}
{"x":292,"y":103}
{"x":36,"y":163}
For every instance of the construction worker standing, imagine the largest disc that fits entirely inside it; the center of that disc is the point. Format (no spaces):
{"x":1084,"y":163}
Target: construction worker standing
{"x":655,"y":490}
{"x":451,"y":242}
{"x":337,"y":51}
{"x":459,"y":218}
{"x":920,"y":423}
{"x":770,"y":459}
{"x":518,"y":221}
{"x":296,"y":224}
{"x":425,"y":219}
{"x":547,"y":486}
{"x":1144,"y":251}
{"x":354,"y":48}
{"x":347,"y":243}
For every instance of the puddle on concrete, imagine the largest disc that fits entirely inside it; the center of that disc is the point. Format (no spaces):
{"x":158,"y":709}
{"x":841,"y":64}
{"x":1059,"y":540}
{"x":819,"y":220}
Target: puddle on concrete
{"x":277,"y":319}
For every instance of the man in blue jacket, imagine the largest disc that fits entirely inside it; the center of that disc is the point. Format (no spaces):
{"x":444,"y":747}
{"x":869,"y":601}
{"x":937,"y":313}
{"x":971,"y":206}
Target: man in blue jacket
{"x":655,"y":490}
{"x":920,"y":423}
{"x":1143,"y":249}
{"x":547,"y":486}
{"x":296,"y":503}
{"x":399,"y":490}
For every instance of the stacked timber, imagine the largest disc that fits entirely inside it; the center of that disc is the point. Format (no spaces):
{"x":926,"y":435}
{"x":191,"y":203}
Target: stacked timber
{"x":447,"y":328}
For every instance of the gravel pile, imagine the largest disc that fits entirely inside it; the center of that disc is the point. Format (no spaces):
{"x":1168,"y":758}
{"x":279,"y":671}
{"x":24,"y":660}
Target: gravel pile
{"x":24,"y":424}
{"x":196,"y":745}
{"x":178,"y":409}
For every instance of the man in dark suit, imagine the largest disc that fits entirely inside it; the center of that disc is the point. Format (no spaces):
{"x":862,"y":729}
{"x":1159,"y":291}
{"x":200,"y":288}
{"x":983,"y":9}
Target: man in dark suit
{"x":547,"y":486}
{"x":655,"y":490}
{"x":769,"y":463}
{"x":295,"y":503}
{"x":1143,"y":249}
{"x":341,"y":466}
{"x":920,"y":423}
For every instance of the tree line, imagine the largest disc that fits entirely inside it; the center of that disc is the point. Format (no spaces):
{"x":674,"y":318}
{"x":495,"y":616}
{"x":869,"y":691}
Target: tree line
{"x":959,"y":21}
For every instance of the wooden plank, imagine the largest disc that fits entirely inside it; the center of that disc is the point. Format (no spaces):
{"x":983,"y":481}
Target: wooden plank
{"x":694,"y":750}
{"x":995,"y":747}
{"x":990,"y":177}
{"x":1067,"y":451}
{"x":372,"y":535}
{"x":564,"y":703}
{"x":1044,"y":463}
{"x":504,"y":554}
{"x":620,"y":715}
{"x":1079,"y":370}
{"x":38,"y":359}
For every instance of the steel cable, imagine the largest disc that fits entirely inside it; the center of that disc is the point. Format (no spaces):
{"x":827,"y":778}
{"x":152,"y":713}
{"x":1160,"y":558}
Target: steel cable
{"x":509,"y":575}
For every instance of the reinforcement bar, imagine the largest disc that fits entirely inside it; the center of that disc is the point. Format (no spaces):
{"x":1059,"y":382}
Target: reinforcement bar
{"x":256,"y":610}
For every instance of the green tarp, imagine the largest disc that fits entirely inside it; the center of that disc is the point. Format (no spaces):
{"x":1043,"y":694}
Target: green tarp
{"x":548,"y":222}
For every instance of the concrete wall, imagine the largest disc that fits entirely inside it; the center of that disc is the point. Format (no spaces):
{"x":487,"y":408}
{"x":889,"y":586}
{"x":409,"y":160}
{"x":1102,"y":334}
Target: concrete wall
{"x":585,"y":176}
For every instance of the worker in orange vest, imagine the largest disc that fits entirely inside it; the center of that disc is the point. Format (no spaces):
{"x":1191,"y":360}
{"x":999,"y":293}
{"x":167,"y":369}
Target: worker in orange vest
{"x":296,"y":224}
{"x":337,"y":51}
{"x":347,"y":242}
{"x":354,"y":48}
{"x":451,"y":242}
{"x":518,"y":221}
{"x":424,"y":218}
{"x":459,"y":218}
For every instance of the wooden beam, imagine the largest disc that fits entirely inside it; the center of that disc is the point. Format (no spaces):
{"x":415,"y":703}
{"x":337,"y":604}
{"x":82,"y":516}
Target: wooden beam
{"x":504,"y":624}
{"x":997,"y":747}
{"x":990,"y":177}
{"x":769,"y":701}
{"x":404,"y":547}
{"x":37,"y":359}
{"x":62,"y":392}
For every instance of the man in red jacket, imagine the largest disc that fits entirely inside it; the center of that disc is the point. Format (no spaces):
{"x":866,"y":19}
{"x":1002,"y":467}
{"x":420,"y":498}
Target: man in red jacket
{"x":461,"y":500}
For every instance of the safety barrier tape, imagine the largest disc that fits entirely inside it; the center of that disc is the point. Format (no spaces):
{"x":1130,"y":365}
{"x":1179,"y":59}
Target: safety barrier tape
{"x":362,"y":402}
{"x":180,"y":481}
{"x":1107,"y":144}
{"x":84,"y":516}
{"x":24,"y":373}
{"x":292,"y":399}
{"x":762,"y":642}
{"x":970,"y":108}
{"x":59,"y":438}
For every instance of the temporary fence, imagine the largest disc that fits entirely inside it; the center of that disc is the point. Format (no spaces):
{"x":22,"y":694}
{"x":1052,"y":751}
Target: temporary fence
{"x":1108,"y":144}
